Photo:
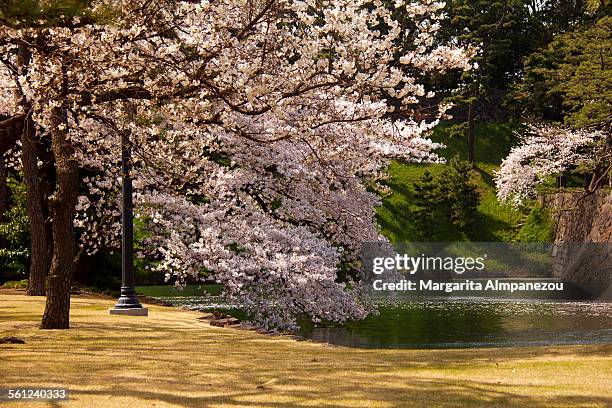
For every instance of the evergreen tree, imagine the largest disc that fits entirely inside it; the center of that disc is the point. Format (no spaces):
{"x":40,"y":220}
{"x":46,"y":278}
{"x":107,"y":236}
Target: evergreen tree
{"x":425,"y":197}
{"x":459,"y":189}
{"x":446,"y":203}
{"x":502,"y":32}
{"x":570,"y":80}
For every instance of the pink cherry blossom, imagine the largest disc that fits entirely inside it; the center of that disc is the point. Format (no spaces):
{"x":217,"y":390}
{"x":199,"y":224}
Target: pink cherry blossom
{"x":259,"y":131}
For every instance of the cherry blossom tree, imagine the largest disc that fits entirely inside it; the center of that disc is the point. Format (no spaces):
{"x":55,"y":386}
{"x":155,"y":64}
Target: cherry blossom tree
{"x":258,"y":131}
{"x":547,"y":151}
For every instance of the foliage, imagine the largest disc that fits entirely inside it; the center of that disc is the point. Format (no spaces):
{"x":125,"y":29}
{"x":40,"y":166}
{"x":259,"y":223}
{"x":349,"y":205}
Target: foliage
{"x":569,"y":81}
{"x":496,"y":221}
{"x":39,"y":12}
{"x":288,"y":93}
{"x":594,"y":7}
{"x":15,"y":233}
{"x":450,"y":197}
{"x":503,"y":31}
{"x":424,"y":200}
{"x":548,"y":151}
{"x":21,"y":284}
{"x":500,"y":33}
{"x":538,"y":227}
{"x":561,"y":16}
{"x":459,"y":193}
{"x":571,"y":78}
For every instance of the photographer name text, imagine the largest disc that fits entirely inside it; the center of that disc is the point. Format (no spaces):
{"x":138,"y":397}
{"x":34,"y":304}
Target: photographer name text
{"x":467,"y":285}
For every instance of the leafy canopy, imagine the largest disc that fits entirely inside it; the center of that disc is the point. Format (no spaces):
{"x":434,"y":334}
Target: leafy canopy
{"x":571,"y":79}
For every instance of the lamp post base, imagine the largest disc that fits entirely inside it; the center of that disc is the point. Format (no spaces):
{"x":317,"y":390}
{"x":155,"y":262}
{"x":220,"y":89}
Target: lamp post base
{"x":128,"y":299}
{"x":135,"y":311}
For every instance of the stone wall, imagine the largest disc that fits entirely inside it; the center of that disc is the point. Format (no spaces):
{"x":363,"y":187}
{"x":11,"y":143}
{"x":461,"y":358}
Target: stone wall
{"x":583,"y":237}
{"x":581,"y":218}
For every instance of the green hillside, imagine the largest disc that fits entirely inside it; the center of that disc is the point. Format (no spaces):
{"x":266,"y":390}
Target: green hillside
{"x":496,"y":221}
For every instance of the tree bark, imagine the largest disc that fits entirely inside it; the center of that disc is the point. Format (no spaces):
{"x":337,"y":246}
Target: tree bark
{"x":39,"y":256}
{"x":46,"y":173}
{"x":62,"y":207}
{"x":39,"y":264}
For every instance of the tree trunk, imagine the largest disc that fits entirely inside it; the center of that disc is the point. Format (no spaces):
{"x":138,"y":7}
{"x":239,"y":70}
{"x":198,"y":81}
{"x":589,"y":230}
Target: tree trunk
{"x":471,"y":135}
{"x":596,"y":178}
{"x":47,"y":186}
{"x":62,"y":207}
{"x":39,"y":264}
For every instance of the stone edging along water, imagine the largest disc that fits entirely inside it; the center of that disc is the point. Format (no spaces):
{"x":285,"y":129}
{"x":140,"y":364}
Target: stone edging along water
{"x":223,"y":320}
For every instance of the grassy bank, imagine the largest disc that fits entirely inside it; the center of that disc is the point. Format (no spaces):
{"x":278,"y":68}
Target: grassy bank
{"x":496,"y":221}
{"x":172,"y":359}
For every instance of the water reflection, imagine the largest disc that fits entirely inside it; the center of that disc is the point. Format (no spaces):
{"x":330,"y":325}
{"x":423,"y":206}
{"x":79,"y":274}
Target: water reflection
{"x":457,"y":323}
{"x":465,"y":323}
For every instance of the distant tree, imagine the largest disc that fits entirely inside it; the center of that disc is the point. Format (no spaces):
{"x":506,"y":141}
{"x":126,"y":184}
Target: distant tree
{"x":14,"y":233}
{"x":548,"y":151}
{"x":450,"y":198}
{"x":425,"y":197}
{"x":502,"y":32}
{"x":461,"y":193}
{"x":567,"y":82}
{"x":560,"y":16}
{"x":570,"y":80}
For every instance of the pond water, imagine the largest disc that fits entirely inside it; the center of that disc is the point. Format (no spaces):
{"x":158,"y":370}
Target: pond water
{"x":465,"y":322}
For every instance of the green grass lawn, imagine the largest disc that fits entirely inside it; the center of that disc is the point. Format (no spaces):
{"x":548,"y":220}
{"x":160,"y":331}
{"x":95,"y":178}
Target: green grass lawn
{"x":496,"y":221}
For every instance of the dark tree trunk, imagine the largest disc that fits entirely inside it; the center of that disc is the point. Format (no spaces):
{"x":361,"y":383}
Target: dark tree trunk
{"x":471,"y":131}
{"x":596,"y":178}
{"x":62,"y":207}
{"x":47,"y":186}
{"x":39,"y":263}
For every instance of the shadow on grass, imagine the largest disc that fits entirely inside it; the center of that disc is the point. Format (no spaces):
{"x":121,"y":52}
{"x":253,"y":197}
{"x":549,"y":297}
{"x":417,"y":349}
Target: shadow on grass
{"x":417,"y":392}
{"x":486,"y":228}
{"x":171,"y":358}
{"x":486,"y":176}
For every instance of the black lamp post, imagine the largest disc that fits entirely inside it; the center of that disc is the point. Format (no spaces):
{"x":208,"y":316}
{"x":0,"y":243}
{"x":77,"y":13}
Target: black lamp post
{"x":128,"y":302}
